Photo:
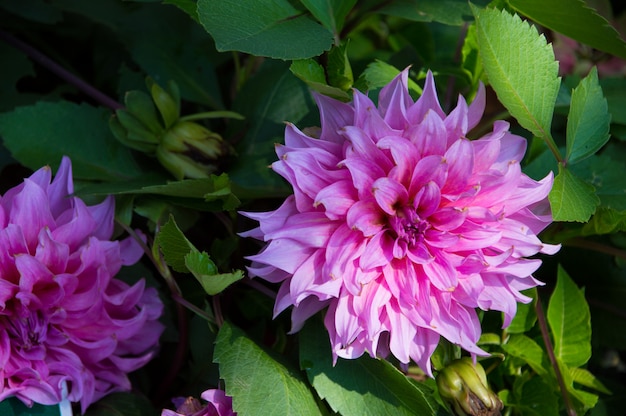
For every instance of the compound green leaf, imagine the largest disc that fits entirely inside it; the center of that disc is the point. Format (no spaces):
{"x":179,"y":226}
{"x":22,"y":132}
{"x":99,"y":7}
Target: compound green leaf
{"x":339,"y":69}
{"x":520,"y":67}
{"x":361,"y":387}
{"x":450,"y":12}
{"x":259,"y":384}
{"x":174,"y":245}
{"x":569,"y":318}
{"x":588,"y":121}
{"x":331,"y":13}
{"x":523,"y":347}
{"x":571,"y":198}
{"x":575,"y":19}
{"x":205,"y":271}
{"x":378,"y":74}
{"x":314,"y":77}
{"x":605,"y":221}
{"x":269,"y":99}
{"x":606,"y":173}
{"x":537,"y":399}
{"x":585,"y":378}
{"x":275,"y":29}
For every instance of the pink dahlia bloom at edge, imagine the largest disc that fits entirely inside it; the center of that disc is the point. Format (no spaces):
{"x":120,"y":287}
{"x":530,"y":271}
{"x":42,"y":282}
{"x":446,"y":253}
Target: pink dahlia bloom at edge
{"x":64,"y":317}
{"x":400,"y":226}
{"x":219,"y":404}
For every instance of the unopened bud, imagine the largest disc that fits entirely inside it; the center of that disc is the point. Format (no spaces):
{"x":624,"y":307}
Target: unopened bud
{"x":191,"y":150}
{"x":463,"y":386}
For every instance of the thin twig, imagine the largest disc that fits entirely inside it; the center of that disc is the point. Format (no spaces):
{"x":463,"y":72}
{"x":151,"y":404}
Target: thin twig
{"x":61,"y":72}
{"x":193,"y":308}
{"x":217,"y":310}
{"x":595,"y":246}
{"x":183,"y":323}
{"x":541,"y":318}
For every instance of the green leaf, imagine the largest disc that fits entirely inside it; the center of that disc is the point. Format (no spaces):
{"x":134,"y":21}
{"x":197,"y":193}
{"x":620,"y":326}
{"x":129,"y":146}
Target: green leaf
{"x":520,"y":66}
{"x":267,"y":100}
{"x":523,"y":347}
{"x":339,"y":69}
{"x":575,"y":19}
{"x":331,"y":13}
{"x":205,"y":271}
{"x":471,"y":57}
{"x":526,"y":316}
{"x":274,"y":29}
{"x":14,"y":407}
{"x":220,"y":190}
{"x":581,"y":400}
{"x":588,"y":121}
{"x":43,"y":133}
{"x":211,"y":190}
{"x":364,"y":386}
{"x":615,"y":92}
{"x":174,"y":246}
{"x":605,"y":221}
{"x":450,"y":12}
{"x":537,"y":398}
{"x":188,"y":6}
{"x":606,"y":173}
{"x":163,"y":42}
{"x":313,"y":75}
{"x":378,"y":74}
{"x":585,"y":378}
{"x":571,"y":198}
{"x":570,"y":321}
{"x":258,"y":383}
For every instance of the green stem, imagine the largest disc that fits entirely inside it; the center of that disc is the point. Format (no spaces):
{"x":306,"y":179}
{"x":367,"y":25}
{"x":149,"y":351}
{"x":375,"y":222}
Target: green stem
{"x":547,"y":138}
{"x":212,"y":114}
{"x":193,"y":308}
{"x":545,"y":333}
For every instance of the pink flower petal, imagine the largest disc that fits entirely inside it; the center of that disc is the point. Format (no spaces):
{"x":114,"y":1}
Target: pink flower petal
{"x":400,"y":225}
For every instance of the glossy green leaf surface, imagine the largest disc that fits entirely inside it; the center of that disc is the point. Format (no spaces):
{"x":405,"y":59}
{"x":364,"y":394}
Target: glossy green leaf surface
{"x":260,"y":385}
{"x":570,"y":321}
{"x":588,"y":121}
{"x":274,"y":29}
{"x":520,"y":66}
{"x":574,"y":18}
{"x":571,"y":198}
{"x":364,"y":386}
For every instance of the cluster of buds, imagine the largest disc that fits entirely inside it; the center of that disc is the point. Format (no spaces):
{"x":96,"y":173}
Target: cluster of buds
{"x":152,"y":124}
{"x":463,"y":386}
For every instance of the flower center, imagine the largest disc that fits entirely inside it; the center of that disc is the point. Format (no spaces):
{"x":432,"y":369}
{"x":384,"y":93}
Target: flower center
{"x":27,"y":332}
{"x":408,"y":226}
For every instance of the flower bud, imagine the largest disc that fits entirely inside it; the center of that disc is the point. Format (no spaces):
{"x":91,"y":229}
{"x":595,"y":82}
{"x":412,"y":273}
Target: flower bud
{"x":463,"y":386}
{"x":191,"y":150}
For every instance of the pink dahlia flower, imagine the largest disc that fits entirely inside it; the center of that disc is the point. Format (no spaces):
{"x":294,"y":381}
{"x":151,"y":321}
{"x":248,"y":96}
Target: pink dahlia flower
{"x":219,"y":404}
{"x":401,"y":226}
{"x":64,"y":317}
